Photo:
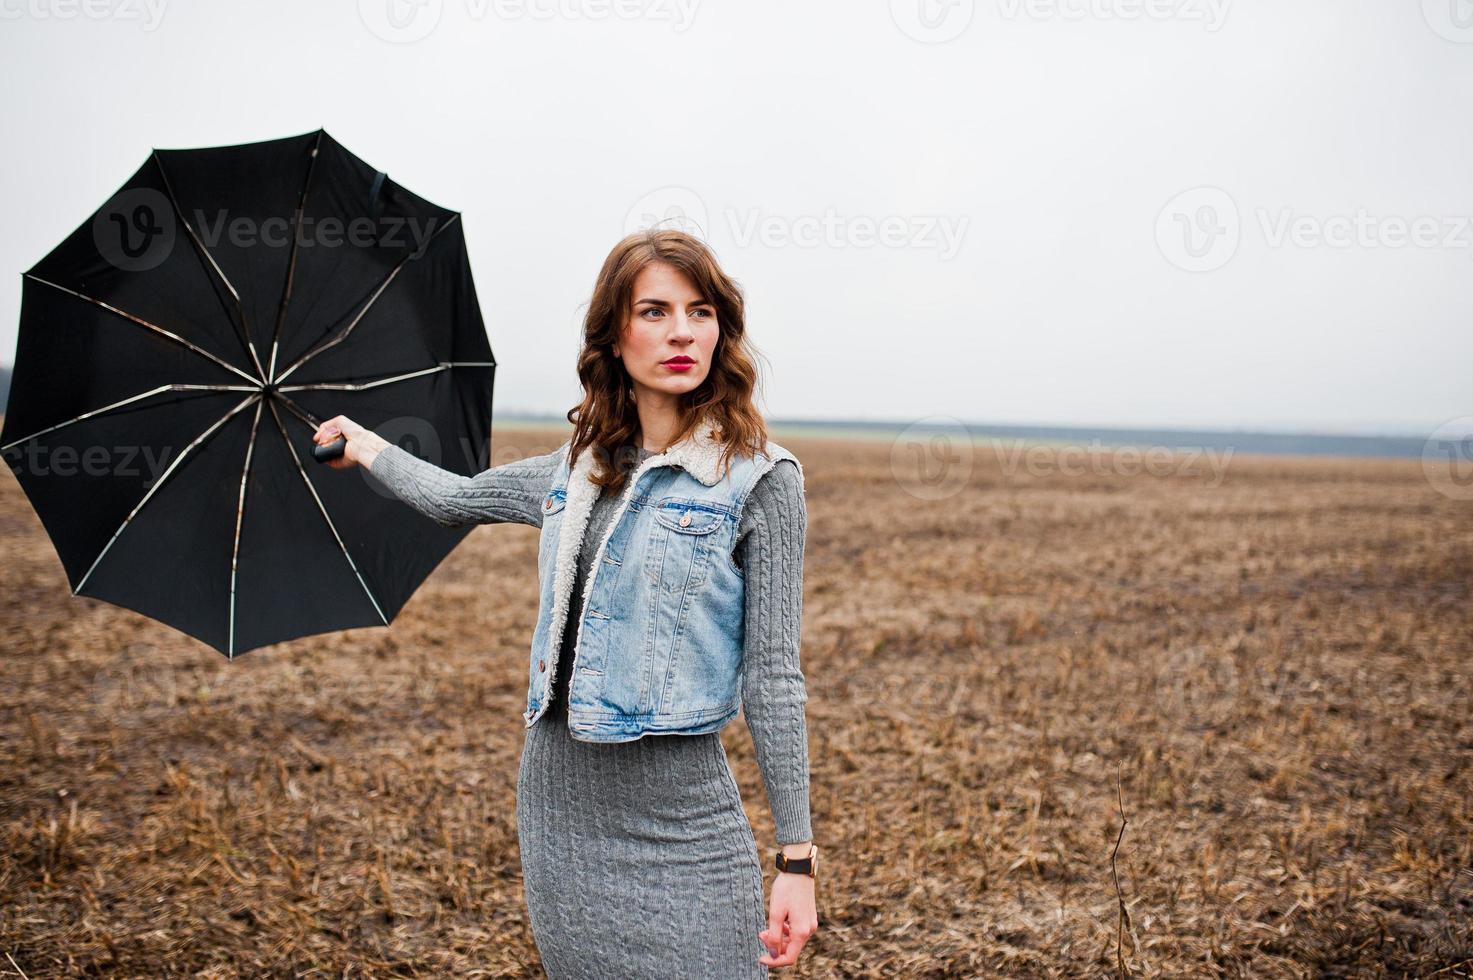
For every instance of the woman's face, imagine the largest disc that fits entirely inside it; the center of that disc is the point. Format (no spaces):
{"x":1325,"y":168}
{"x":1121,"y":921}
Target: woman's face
{"x":670,"y":335}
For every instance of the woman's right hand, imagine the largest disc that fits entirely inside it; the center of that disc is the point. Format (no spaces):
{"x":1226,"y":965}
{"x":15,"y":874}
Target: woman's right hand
{"x":363,"y":444}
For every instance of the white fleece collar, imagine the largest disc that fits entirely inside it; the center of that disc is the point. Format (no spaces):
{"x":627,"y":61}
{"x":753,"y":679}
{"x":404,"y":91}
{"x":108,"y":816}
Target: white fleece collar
{"x":698,"y":453}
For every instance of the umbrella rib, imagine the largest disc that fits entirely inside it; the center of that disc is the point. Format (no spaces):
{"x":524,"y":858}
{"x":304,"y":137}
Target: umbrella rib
{"x":239,"y":515}
{"x":291,"y":267}
{"x":350,"y":386}
{"x":297,"y":410}
{"x":200,"y":246}
{"x":125,"y":401}
{"x":160,"y":482}
{"x":291,"y":451}
{"x":144,"y":323}
{"x":371,"y":300}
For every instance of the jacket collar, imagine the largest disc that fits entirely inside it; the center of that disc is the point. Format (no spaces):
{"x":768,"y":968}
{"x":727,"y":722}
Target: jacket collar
{"x":699,"y":454}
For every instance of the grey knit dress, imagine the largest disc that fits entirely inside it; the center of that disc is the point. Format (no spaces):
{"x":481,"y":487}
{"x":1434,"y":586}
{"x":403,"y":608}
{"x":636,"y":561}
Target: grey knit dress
{"x":638,"y":860}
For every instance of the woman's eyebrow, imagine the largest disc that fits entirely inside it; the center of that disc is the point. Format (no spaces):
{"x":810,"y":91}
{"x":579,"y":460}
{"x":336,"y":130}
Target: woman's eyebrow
{"x":660,"y":302}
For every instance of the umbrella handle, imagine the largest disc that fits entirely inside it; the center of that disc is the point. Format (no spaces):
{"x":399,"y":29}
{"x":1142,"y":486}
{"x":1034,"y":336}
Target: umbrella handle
{"x":332,"y":450}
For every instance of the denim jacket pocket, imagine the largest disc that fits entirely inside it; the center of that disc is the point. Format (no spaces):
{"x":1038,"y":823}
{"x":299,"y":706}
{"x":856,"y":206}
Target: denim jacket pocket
{"x":686,"y":516}
{"x":682,"y":537}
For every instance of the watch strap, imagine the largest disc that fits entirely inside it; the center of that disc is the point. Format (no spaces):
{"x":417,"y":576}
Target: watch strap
{"x":800,"y":866}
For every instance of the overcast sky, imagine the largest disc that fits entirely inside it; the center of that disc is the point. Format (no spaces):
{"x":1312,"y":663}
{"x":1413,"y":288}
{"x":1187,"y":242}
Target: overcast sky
{"x":1188,"y":213}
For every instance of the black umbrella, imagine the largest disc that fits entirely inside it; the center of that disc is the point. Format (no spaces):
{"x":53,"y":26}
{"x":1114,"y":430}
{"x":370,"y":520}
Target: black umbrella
{"x":178,"y":351}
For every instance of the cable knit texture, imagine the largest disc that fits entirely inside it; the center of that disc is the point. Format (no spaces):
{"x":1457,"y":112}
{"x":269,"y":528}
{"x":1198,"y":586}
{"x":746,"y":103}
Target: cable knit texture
{"x":627,"y":847}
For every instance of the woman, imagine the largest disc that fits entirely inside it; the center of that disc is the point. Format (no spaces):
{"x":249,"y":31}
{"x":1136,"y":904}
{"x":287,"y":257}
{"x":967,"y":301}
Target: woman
{"x":637,"y":856}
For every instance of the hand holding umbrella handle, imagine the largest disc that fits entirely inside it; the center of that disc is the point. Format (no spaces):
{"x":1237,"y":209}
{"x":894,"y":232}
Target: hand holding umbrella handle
{"x":338,"y":432}
{"x":332,"y":450}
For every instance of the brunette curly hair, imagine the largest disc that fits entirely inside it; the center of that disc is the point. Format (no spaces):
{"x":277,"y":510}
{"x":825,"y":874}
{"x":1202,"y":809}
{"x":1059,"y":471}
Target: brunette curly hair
{"x":606,"y":419}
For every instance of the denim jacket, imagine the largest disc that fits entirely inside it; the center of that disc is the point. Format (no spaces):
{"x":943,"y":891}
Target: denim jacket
{"x":659,"y":645}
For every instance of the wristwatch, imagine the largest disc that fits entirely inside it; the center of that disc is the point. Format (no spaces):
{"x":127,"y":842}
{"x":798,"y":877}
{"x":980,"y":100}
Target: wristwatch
{"x":799,"y":866}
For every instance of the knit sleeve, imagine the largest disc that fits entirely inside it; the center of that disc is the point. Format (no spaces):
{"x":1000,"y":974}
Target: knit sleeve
{"x":509,"y":493}
{"x":769,"y":550}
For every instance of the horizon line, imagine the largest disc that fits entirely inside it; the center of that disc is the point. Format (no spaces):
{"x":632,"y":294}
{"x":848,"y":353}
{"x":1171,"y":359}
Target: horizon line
{"x":1390,"y":433}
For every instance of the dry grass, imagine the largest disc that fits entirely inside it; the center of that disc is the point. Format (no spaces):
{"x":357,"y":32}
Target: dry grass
{"x":1271,"y":675}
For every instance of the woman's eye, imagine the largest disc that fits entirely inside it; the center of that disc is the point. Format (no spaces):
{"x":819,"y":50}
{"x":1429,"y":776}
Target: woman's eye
{"x":704,"y":314}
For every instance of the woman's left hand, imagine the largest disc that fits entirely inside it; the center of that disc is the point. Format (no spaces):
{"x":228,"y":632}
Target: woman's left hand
{"x":791,"y":918}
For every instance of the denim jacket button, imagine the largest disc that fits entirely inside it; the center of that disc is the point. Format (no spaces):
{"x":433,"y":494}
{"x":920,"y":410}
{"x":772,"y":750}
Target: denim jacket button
{"x":685,"y":521}
{"x":542,"y":666}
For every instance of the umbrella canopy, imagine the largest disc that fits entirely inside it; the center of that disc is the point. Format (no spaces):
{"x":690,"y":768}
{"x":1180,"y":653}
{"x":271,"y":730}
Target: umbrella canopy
{"x":177,"y":352}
